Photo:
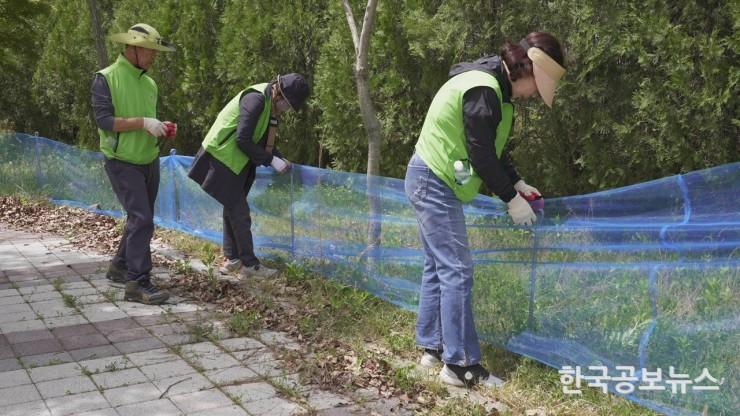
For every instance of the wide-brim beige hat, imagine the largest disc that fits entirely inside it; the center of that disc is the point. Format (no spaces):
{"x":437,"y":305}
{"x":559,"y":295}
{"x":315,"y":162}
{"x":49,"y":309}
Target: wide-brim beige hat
{"x":547,"y":73}
{"x":144,"y":36}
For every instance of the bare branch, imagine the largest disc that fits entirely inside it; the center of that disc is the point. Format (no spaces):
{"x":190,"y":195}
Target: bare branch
{"x":352,"y":26}
{"x":367,"y":30}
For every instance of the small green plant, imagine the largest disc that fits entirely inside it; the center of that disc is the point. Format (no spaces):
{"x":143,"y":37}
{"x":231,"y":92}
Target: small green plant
{"x":400,"y":341}
{"x":112,"y":366}
{"x":209,"y":260}
{"x":167,"y":315}
{"x":111,"y":294}
{"x":286,"y":387}
{"x":459,"y":406}
{"x":182,"y":267}
{"x":295,"y":272}
{"x":236,"y":399}
{"x":177,"y":349}
{"x":58,"y":283}
{"x":308,"y":324}
{"x":405,"y":379}
{"x":120,"y":224}
{"x":243,"y":322}
{"x":70,"y":301}
{"x":201,"y":332}
{"x":85,"y":371}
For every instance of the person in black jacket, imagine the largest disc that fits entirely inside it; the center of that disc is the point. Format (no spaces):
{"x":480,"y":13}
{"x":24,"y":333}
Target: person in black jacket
{"x":241,"y":138}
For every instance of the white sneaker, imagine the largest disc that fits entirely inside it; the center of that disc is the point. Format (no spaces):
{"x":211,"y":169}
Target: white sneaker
{"x":258,"y":271}
{"x":469,"y":376}
{"x":230,"y":266}
{"x":430,"y":359}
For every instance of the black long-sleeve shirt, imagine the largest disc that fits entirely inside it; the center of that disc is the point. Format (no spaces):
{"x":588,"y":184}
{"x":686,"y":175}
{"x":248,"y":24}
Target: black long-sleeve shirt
{"x":102,"y":103}
{"x":251,"y":106}
{"x":481,"y":117}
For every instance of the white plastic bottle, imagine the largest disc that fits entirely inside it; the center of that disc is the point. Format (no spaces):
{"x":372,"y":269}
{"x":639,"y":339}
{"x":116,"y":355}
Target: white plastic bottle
{"x":462,"y":172}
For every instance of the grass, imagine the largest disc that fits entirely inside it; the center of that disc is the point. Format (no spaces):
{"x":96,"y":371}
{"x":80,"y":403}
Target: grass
{"x":244,"y":323}
{"x":460,"y":407}
{"x":58,"y":283}
{"x":85,"y":371}
{"x":336,"y":311}
{"x":360,"y":320}
{"x":286,"y":388}
{"x":406,"y":379}
{"x":70,"y":301}
{"x":111,"y":294}
{"x":202,"y":331}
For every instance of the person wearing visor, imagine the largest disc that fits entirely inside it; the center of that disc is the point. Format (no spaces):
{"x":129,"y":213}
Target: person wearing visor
{"x":461,"y":146}
{"x":241,"y":138}
{"x":124,"y":102}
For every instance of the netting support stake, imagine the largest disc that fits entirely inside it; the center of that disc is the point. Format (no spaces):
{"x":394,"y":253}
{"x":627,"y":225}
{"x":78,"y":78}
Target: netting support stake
{"x":292,"y":217}
{"x":645,"y":339}
{"x":37,"y":159}
{"x":176,"y":199}
{"x":532,"y":279}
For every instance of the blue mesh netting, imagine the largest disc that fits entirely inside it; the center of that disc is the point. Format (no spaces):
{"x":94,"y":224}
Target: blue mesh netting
{"x":643,"y":276}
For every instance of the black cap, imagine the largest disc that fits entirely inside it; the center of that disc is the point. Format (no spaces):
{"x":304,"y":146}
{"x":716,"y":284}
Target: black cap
{"x":294,"y":88}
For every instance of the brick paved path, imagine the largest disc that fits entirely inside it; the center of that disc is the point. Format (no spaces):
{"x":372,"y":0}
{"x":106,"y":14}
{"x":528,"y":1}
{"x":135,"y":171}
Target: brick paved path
{"x":69,"y":345}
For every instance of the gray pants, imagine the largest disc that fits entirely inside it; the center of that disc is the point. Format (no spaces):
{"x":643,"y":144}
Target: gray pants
{"x":136,"y":188}
{"x":238,"y":242}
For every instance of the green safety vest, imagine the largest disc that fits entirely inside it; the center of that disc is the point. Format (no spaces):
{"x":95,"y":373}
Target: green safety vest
{"x":442,"y":138}
{"x":134,"y":94}
{"x":220,"y":141}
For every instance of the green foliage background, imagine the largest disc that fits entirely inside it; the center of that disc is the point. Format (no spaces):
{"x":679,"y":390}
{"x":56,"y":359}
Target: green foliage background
{"x":651,"y":88}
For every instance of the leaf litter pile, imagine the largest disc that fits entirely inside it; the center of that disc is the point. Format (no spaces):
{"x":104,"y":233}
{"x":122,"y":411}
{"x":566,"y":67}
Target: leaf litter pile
{"x":336,"y":366}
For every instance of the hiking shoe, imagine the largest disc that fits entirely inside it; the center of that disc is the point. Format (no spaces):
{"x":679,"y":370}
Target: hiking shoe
{"x":145,"y":292}
{"x":116,"y":274}
{"x":468,"y":376}
{"x":230,"y":266}
{"x":431,"y":358}
{"x":257,"y":270}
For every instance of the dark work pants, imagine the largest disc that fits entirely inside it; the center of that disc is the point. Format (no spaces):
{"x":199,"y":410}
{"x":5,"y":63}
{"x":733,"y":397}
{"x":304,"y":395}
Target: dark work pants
{"x":136,"y":187}
{"x":238,"y":234}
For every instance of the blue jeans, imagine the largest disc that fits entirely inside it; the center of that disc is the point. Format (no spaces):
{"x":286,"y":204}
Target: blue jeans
{"x":445,"y":307}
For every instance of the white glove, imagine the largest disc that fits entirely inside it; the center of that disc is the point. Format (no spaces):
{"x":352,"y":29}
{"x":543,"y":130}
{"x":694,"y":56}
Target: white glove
{"x":522,"y":187}
{"x":520,"y":211}
{"x":155,"y":127}
{"x":279,"y":164}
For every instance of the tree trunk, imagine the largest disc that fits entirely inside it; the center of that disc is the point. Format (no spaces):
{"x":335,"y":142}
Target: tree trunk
{"x":97,"y":31}
{"x":361,"y":41}
{"x":372,"y":129}
{"x":321,"y":154}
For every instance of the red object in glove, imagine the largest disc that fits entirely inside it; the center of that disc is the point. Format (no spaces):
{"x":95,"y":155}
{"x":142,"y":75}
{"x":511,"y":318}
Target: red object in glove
{"x":170,"y":129}
{"x":531,"y":197}
{"x":535,"y":201}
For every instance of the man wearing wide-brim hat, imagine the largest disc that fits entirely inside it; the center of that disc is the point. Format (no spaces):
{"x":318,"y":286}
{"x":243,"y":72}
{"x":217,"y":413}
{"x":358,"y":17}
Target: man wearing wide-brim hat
{"x":124,"y":101}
